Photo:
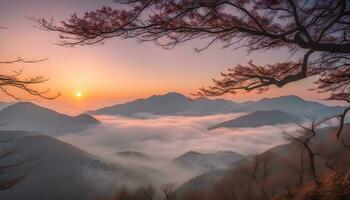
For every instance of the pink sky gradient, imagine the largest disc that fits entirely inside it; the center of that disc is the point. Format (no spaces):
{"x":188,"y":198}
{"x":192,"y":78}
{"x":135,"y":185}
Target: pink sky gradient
{"x":120,"y":70}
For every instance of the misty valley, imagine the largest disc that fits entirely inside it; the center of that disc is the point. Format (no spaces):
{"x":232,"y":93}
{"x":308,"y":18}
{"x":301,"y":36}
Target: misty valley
{"x":161,"y":141}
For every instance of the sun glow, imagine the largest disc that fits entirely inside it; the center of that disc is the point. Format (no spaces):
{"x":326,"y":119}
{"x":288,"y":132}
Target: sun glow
{"x":78,"y":94}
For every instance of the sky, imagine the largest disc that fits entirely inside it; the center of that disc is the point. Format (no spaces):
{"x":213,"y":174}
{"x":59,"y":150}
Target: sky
{"x":119,"y":70}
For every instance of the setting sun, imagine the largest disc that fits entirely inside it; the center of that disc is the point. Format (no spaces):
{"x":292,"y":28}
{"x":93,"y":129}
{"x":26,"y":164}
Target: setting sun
{"x":78,"y":94}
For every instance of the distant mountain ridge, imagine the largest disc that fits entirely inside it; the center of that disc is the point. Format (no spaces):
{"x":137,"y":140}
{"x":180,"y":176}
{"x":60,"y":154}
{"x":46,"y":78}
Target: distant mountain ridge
{"x":290,"y":104}
{"x":30,"y":117}
{"x":256,"y":119}
{"x":177,"y":104}
{"x":171,"y":103}
{"x":207,"y":162}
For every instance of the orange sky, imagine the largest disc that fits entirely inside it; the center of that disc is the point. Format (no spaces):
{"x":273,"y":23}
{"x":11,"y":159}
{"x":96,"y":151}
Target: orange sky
{"x":120,"y":70}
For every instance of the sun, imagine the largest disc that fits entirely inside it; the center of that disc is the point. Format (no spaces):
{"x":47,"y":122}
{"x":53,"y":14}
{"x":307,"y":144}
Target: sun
{"x":78,"y":94}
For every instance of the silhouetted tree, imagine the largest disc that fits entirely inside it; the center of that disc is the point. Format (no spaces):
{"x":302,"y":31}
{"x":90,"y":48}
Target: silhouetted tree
{"x":318,"y":30}
{"x":295,"y":162}
{"x":15,"y":80}
{"x":260,"y":173}
{"x":168,"y":191}
{"x":304,"y":138}
{"x":254,"y":184}
{"x":146,"y":193}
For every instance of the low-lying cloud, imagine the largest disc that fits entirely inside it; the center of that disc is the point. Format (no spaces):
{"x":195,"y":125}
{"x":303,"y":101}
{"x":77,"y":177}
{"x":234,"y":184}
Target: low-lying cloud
{"x":171,"y":136}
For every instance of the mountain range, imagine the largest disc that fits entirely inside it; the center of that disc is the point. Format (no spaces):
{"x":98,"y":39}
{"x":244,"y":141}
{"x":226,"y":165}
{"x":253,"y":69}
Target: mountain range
{"x":268,"y":111}
{"x":177,"y":104}
{"x":169,"y":104}
{"x":290,"y":104}
{"x":256,"y":119}
{"x":30,"y":117}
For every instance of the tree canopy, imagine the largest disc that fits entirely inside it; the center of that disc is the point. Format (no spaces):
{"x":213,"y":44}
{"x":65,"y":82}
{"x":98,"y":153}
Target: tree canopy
{"x":318,"y":29}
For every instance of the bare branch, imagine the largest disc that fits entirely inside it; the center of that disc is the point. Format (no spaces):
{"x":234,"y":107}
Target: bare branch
{"x":22,"y":60}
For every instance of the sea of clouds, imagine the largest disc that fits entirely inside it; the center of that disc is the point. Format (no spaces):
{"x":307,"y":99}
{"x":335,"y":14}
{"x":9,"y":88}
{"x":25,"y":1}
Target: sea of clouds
{"x":171,"y":136}
{"x":167,"y":137}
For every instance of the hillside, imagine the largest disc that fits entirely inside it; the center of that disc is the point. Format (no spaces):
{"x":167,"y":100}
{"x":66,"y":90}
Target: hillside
{"x":4,"y":105}
{"x":256,"y":119}
{"x":276,"y":167}
{"x":57,"y":170}
{"x":30,"y":117}
{"x":333,"y":186}
{"x":207,"y":162}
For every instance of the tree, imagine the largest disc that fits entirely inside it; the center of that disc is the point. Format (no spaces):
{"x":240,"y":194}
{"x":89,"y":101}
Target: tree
{"x":317,"y":30}
{"x":304,"y":138}
{"x":15,"y":80}
{"x":260,"y":173}
{"x":168,"y":191}
{"x":295,"y":162}
{"x":250,"y":180}
{"x":146,"y":193}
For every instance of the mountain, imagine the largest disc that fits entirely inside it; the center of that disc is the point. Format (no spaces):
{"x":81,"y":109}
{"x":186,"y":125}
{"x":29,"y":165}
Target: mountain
{"x":202,"y":182}
{"x":256,"y":119}
{"x":207,"y":162}
{"x":134,"y":155}
{"x":4,"y":105}
{"x":206,"y":181}
{"x":328,"y":111}
{"x":290,"y":104}
{"x":169,"y":104}
{"x":177,"y":104}
{"x":30,"y":117}
{"x":56,"y":170}
{"x":277,"y":165}
{"x":332,"y":186}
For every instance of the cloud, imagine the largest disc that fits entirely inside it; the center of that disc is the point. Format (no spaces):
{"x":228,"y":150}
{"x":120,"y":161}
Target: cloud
{"x":166,"y":137}
{"x":171,"y":136}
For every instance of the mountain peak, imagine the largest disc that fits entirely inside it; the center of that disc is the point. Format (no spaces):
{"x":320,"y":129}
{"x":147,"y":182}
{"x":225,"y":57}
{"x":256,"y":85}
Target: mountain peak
{"x":284,"y":98}
{"x":171,"y":103}
{"x":174,"y":94}
{"x":32,"y":117}
{"x":25,"y":103}
{"x":22,"y":106}
{"x":170,"y":96}
{"x":191,"y":153}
